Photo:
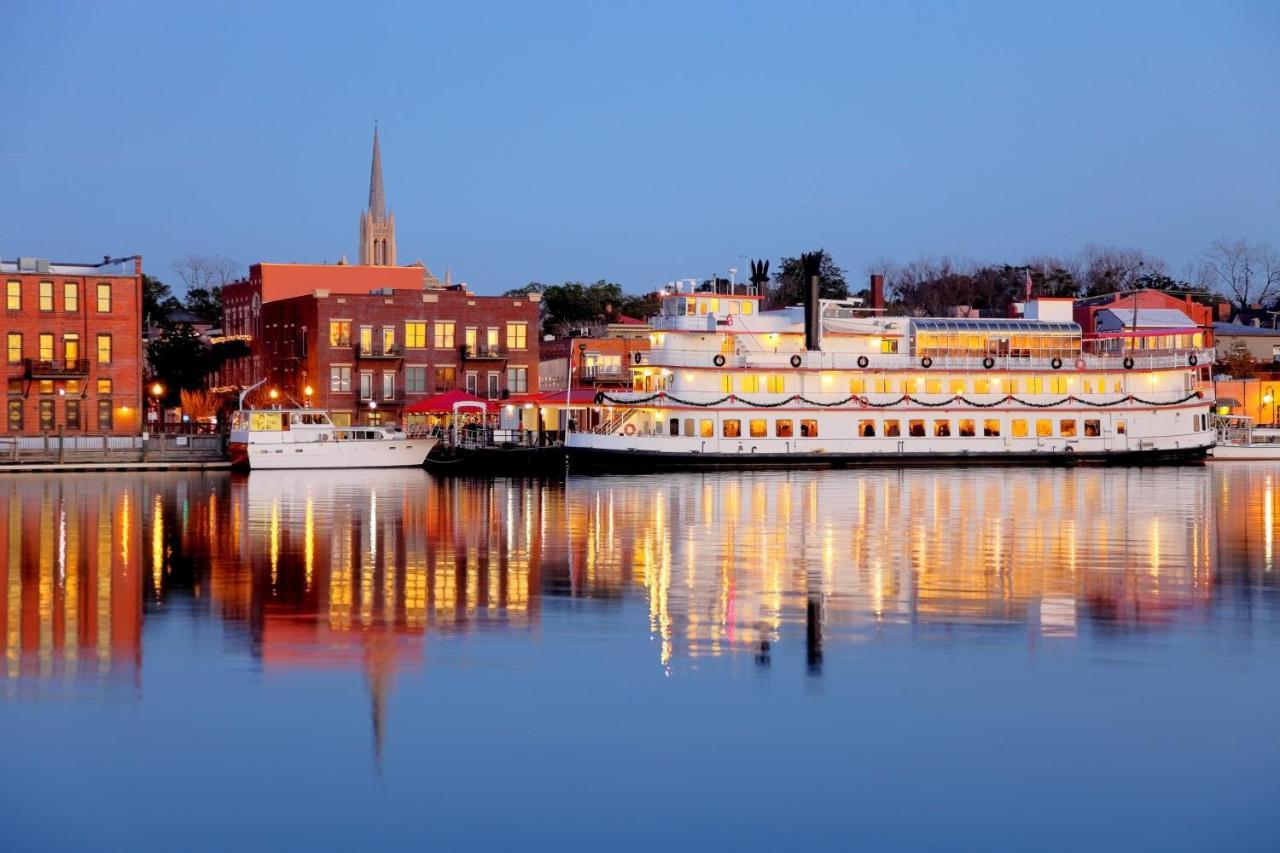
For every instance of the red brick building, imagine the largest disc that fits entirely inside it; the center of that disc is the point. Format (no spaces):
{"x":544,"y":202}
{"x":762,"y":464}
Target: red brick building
{"x":365,"y":355}
{"x":73,"y":347}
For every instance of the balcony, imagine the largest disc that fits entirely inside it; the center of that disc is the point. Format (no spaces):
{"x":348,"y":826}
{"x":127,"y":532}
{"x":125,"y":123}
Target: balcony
{"x":377,"y":351}
{"x":54,"y":369}
{"x":481,"y":352}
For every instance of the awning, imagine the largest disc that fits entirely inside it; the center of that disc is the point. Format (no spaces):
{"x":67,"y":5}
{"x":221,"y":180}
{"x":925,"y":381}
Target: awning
{"x":577,"y":397}
{"x":449,"y":402}
{"x":1229,"y":402}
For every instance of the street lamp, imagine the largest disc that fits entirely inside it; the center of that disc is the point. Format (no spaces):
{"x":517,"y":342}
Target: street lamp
{"x":307,"y":392}
{"x":1268,"y":397}
{"x":274,"y":395}
{"x":157,"y":391}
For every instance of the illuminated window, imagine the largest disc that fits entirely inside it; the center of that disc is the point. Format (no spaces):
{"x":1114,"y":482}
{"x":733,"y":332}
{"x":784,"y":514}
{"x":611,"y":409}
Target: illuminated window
{"x":444,"y":335}
{"x":933,"y":386}
{"x":892,"y":429}
{"x":104,"y":349}
{"x":1035,"y":385}
{"x":942,"y":429}
{"x":732,"y":428}
{"x":46,"y":347}
{"x":1122,"y":428}
{"x":1019,"y":428}
{"x":915,"y":428}
{"x":726,"y":383}
{"x":748,"y":307}
{"x":956,"y":386}
{"x":105,"y":415}
{"x":339,"y":333}
{"x":1057,"y":385}
{"x":45,"y":386}
{"x":13,"y":296}
{"x":783,"y":427}
{"x":71,"y":347}
{"x":517,"y":335}
{"x":981,"y":386}
{"x":777,"y":383}
{"x":1067,"y":428}
{"x":889,"y":347}
{"x":707,"y":428}
{"x":446,"y":378}
{"x":70,"y":297}
{"x":15,"y":415}
{"x":104,"y":298}
{"x":13,"y":347}
{"x":857,"y":386}
{"x":104,"y":386}
{"x":45,"y":410}
{"x":415,"y":334}
{"x":73,"y":415}
{"x":1044,"y":427}
{"x":991,"y":427}
{"x":883,"y":385}
{"x":808,"y":428}
{"x":866,"y":428}
{"x":46,"y":296}
{"x":758,"y":427}
{"x":491,"y":339}
{"x":73,"y":386}
{"x":388,"y":339}
{"x":1092,"y":428}
{"x":967,"y":428}
{"x":750,"y":384}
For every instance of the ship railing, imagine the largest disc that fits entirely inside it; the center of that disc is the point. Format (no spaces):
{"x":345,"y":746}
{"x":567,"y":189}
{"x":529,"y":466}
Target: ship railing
{"x":977,"y":362}
{"x":623,"y":400}
{"x":616,"y":422}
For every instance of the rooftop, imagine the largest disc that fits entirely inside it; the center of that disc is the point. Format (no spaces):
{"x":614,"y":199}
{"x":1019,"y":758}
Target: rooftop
{"x":992,"y":324}
{"x":40,"y":266}
{"x":1241,"y":330}
{"x":1144,"y":318}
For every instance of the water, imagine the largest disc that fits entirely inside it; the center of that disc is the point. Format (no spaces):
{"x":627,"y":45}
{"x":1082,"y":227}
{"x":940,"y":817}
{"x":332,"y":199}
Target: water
{"x":925,"y":659}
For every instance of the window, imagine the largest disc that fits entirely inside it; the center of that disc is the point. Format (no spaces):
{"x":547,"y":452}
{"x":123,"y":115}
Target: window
{"x":1067,"y":428}
{"x":783,"y":428}
{"x":366,"y":386}
{"x":45,"y":410}
{"x":104,"y":348}
{"x":808,"y":428}
{"x":866,"y":429}
{"x":1044,"y":427}
{"x":104,"y":298}
{"x":491,"y":385}
{"x":72,"y":386}
{"x":73,"y":415}
{"x":473,"y":383}
{"x":1035,"y":385}
{"x":674,"y":427}
{"x":777,"y":384}
{"x":46,"y":296}
{"x":339,"y":333}
{"x":748,"y":307}
{"x":1019,"y":428}
{"x":15,"y":386}
{"x":857,"y":386}
{"x":706,"y":428}
{"x":470,"y":337}
{"x":883,"y":385}
{"x":759,"y":427}
{"x":340,"y":379}
{"x":1058,"y":384}
{"x":689,"y":426}
{"x":518,"y":380}
{"x":915,"y":428}
{"x":967,"y":428}
{"x":889,"y":347}
{"x":1092,"y":428}
{"x":388,"y":385}
{"x":71,"y":347}
{"x":444,"y":335}
{"x":13,"y":296}
{"x":517,"y":335}
{"x":388,"y":339}
{"x":104,"y":415}
{"x":46,"y":347}
{"x":415,"y":380}
{"x":991,"y":427}
{"x":366,"y":340}
{"x":732,"y":428}
{"x":942,"y":429}
{"x":415,"y":334}
{"x":446,"y":378}
{"x":70,"y":297}
{"x":956,"y":386}
{"x":933,"y":386}
{"x":892,"y":429}
{"x":491,"y":339}
{"x":15,"y":416}
{"x":1122,"y":428}
{"x":726,"y":383}
{"x":104,"y":386}
{"x":982,"y":386}
{"x":45,"y":386}
{"x":13,"y":347}
{"x":750,"y":384}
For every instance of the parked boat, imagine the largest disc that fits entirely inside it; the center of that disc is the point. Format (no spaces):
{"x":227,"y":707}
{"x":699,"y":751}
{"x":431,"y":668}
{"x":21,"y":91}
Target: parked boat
{"x":1240,"y":440}
{"x":307,"y":438}
{"x":829,"y":383}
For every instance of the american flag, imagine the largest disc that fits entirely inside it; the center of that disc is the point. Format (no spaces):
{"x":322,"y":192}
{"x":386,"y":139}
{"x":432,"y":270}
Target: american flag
{"x":1027,"y":287}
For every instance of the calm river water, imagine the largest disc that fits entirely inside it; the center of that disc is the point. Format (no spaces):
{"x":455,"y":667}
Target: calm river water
{"x":925,"y":659}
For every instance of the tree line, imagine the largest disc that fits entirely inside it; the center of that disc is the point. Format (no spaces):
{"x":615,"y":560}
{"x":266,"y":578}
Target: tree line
{"x":181,"y":360}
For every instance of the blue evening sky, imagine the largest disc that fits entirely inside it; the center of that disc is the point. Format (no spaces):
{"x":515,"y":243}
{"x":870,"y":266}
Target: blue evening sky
{"x":637,"y":142}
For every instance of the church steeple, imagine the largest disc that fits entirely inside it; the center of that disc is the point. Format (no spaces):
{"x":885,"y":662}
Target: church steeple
{"x":377,"y":227}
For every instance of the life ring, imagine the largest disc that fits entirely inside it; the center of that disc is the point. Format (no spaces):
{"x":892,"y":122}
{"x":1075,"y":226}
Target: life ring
{"x":629,"y":429}
{"x":1055,"y":363}
{"x":926,"y":362}
{"x":637,"y":358}
{"x":718,"y":361}
{"x":988,"y":362}
{"x":863,"y":361}
{"x":1128,"y":362}
{"x":795,"y":361}
{"x":1079,"y":364}
{"x":1192,"y":360}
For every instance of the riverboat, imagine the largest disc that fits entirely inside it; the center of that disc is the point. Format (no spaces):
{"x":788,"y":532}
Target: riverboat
{"x":832,"y":383}
{"x":307,"y":438}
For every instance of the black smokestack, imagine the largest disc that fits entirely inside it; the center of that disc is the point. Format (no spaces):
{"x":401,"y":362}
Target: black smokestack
{"x":811,"y":265}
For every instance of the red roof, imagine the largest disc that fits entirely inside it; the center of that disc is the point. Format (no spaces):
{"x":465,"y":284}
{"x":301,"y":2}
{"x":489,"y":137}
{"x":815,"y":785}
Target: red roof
{"x":624,"y":320}
{"x":577,"y":397}
{"x":444,"y":403}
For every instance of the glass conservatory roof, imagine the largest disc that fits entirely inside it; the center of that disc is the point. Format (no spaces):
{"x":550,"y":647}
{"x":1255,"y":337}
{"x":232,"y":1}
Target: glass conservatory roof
{"x":994,"y":326}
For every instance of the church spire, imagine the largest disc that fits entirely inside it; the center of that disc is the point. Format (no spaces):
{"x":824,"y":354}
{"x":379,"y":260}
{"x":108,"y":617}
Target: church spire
{"x":377,"y":202}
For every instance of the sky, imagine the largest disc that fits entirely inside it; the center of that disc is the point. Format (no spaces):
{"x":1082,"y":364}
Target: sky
{"x":637,"y":142}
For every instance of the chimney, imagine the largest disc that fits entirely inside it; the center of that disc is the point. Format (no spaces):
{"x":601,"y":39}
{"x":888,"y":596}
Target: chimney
{"x":811,"y":264}
{"x":877,"y":291}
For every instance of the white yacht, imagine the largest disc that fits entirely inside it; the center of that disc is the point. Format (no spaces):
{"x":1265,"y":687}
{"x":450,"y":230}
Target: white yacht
{"x":307,"y":438}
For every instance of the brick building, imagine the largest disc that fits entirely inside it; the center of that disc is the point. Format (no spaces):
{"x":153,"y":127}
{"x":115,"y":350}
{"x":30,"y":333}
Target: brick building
{"x":73,"y":346}
{"x":602,"y":358}
{"x":366,"y":355}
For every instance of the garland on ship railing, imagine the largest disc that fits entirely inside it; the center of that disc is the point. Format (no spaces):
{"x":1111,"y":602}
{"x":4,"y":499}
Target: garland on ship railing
{"x":863,"y":402}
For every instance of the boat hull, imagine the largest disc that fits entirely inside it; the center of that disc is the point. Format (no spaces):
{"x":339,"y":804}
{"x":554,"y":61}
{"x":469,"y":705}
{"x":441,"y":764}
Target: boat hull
{"x":1246,"y":452}
{"x":409,"y":453}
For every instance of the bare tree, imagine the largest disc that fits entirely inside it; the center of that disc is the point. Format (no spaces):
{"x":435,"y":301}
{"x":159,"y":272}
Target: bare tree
{"x":1106,"y":269}
{"x":1249,"y":273}
{"x":206,"y":271}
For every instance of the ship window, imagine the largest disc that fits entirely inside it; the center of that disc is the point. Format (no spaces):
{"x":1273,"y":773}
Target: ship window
{"x":688,"y":426}
{"x":759,"y":427}
{"x":777,"y":383}
{"x":734,"y":307}
{"x":782,"y":428}
{"x":1035,"y":385}
{"x":892,"y":429}
{"x":1044,"y":427}
{"x":915,"y":429}
{"x":967,"y":429}
{"x":942,"y":429}
{"x":675,"y":426}
{"x":707,"y":428}
{"x":747,"y":307}
{"x":750,"y":384}
{"x":808,"y":428}
{"x":1058,"y":384}
{"x":933,"y":386}
{"x":889,"y":347}
{"x":732,"y":428}
{"x":1019,"y":428}
{"x":866,"y":429}
{"x":957,"y":386}
{"x":1067,"y":428}
{"x":857,"y":386}
{"x":1092,"y":428}
{"x":1122,"y":428}
{"x":991,"y":427}
{"x":981,"y":386}
{"x":884,"y":386}
{"x":726,"y":383}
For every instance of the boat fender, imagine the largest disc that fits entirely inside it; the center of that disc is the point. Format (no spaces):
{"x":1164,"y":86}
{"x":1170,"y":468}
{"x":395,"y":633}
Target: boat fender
{"x":863,"y":361}
{"x":988,"y":362}
{"x":1055,"y":363}
{"x":926,"y":362}
{"x":1128,"y":363}
{"x":629,"y":429}
{"x":795,"y":360}
{"x":1192,"y":360}
{"x":718,"y":361}
{"x":637,"y":358}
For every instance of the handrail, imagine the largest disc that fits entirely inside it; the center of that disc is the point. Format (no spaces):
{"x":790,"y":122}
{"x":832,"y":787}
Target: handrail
{"x":818,"y":360}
